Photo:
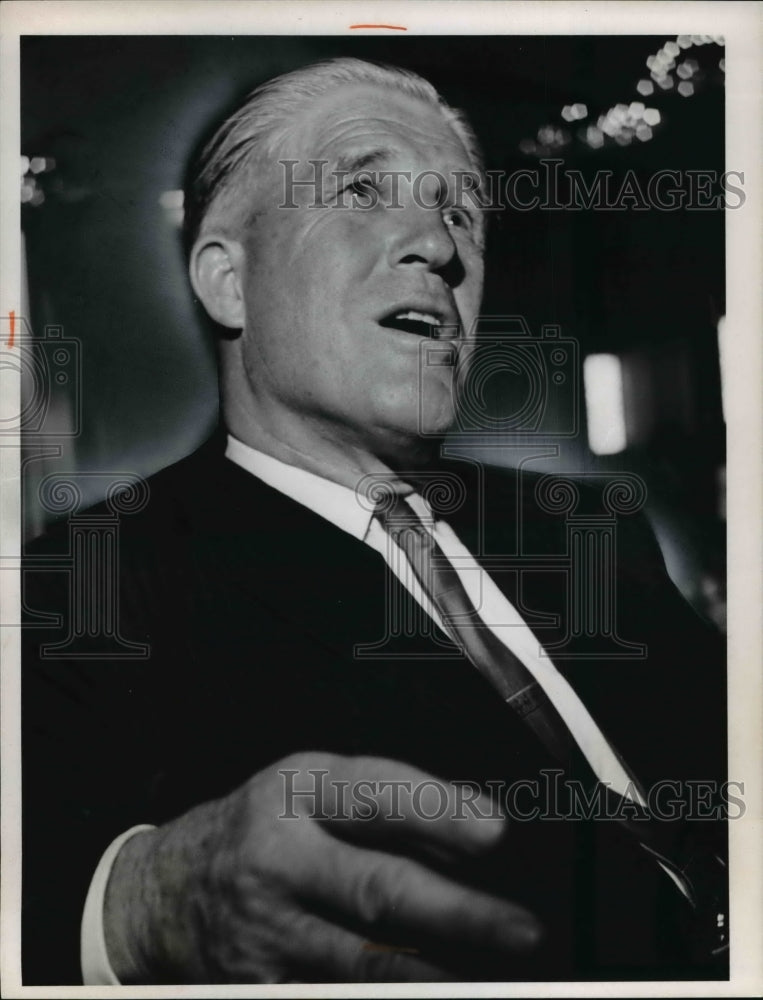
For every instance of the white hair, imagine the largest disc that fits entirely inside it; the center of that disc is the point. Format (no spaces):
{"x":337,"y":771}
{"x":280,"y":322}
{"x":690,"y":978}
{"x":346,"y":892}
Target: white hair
{"x":226,"y":170}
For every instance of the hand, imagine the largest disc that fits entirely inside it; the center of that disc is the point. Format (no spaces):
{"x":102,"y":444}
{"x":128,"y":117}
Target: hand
{"x":234,"y":892}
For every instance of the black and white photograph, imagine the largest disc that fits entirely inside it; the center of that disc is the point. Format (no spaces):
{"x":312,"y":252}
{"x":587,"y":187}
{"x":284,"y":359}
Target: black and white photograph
{"x":381,"y":499}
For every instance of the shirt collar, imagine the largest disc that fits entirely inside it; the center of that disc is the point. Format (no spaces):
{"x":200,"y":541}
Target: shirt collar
{"x":332,"y":501}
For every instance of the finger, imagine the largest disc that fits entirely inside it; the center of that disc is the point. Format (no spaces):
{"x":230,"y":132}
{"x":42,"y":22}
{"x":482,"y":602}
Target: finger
{"x":372,"y":799}
{"x":381,"y":892}
{"x":328,"y":952}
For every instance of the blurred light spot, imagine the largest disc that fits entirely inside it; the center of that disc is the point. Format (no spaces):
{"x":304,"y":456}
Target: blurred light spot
{"x":684,"y":41}
{"x":567,"y":113}
{"x":723,"y":362}
{"x":715,"y":601}
{"x":685,"y":88}
{"x":546,"y":135}
{"x":643,"y":132}
{"x":652,"y":116}
{"x":698,"y":39}
{"x":27,"y":190}
{"x":618,"y":114}
{"x":671,"y":48}
{"x":636,"y":110}
{"x":38,"y":197}
{"x":172,"y":203}
{"x":528,"y":146}
{"x":605,"y":408}
{"x":666,"y":82}
{"x":24,"y":165}
{"x":624,"y":137}
{"x":722,"y":65}
{"x":37,"y":164}
{"x":594,"y":137}
{"x":684,"y":71}
{"x":579,"y":111}
{"x":721,"y":481}
{"x":171,"y":199}
{"x":645,"y":87}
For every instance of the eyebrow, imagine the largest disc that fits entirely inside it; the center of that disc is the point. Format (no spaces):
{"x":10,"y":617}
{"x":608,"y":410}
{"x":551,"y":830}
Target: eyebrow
{"x":353,"y":162}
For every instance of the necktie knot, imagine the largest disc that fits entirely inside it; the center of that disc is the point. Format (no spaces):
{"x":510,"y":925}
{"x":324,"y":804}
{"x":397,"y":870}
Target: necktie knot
{"x":402,"y":523}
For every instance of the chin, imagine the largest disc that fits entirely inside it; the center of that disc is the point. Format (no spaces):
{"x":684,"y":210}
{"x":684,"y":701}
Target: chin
{"x":411,"y":435}
{"x":410,"y":451}
{"x":435,"y":423}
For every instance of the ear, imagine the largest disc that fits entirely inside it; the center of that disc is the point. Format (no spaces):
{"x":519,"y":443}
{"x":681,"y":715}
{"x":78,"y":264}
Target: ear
{"x":215,"y":269}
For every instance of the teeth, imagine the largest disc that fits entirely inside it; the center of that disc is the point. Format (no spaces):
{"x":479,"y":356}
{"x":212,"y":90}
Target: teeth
{"x":418,"y":316}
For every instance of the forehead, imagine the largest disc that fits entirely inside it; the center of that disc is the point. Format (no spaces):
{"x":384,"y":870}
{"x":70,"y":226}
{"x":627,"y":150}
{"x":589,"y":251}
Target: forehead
{"x":354,"y":118}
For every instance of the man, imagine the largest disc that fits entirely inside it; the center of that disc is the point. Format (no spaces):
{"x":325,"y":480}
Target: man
{"x":179,"y":794}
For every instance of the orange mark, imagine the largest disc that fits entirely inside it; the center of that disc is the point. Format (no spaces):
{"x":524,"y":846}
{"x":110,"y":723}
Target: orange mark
{"x":12,"y":318}
{"x":390,"y":27}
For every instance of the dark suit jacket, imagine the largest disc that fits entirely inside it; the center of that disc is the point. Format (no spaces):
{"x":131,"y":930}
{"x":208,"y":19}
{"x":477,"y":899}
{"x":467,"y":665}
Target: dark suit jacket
{"x":252,"y":607}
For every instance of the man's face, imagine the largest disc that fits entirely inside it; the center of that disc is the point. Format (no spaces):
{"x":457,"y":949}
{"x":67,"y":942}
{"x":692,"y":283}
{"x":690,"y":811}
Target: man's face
{"x":338,"y":299}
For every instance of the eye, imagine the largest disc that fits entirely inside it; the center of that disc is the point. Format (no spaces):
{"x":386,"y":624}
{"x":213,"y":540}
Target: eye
{"x":457,"y":217}
{"x":362,"y":184}
{"x":360,"y":191}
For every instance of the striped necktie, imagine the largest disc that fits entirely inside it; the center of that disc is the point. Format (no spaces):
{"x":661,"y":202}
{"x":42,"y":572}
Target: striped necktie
{"x":700,"y":878}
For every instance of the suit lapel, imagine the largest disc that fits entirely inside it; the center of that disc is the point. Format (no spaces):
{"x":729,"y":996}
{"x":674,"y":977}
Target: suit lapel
{"x":331,"y":586}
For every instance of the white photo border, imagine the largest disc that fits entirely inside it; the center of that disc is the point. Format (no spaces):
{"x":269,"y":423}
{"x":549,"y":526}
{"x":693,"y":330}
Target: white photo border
{"x":742,"y":26}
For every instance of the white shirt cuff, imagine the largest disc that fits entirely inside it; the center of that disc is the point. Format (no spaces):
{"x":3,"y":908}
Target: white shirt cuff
{"x":94,"y":958}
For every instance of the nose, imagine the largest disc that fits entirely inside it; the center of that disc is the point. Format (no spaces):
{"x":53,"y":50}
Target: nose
{"x":422,"y":240}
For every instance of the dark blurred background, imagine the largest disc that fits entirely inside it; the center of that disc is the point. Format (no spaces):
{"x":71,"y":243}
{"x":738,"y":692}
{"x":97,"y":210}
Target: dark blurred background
{"x":107,"y":126}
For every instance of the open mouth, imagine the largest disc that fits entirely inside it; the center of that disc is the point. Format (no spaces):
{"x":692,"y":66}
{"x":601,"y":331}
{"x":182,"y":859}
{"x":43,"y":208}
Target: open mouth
{"x":421,"y":324}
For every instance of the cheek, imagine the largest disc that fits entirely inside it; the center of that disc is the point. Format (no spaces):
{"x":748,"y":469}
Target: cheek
{"x":469,"y":294}
{"x":328,"y":262}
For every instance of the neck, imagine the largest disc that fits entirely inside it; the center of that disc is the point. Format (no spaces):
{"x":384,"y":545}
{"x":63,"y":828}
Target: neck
{"x":316,"y":449}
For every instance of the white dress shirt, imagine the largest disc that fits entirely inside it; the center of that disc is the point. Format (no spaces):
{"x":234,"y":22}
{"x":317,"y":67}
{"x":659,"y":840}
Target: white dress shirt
{"x":342,"y":507}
